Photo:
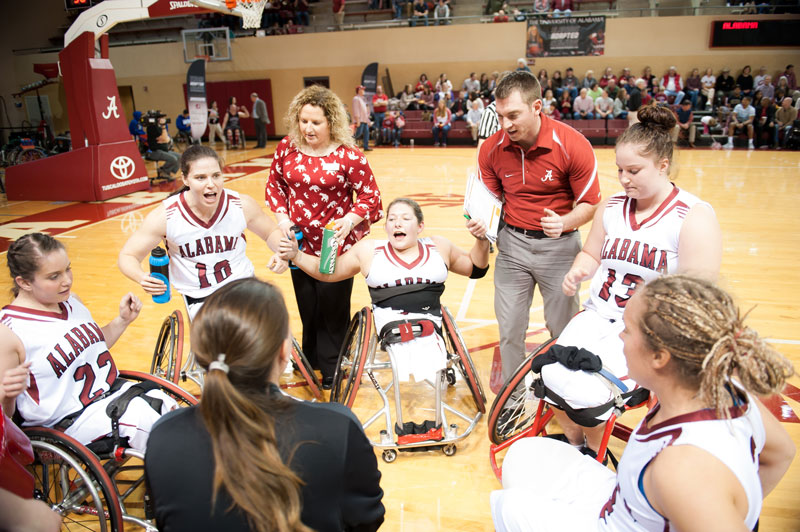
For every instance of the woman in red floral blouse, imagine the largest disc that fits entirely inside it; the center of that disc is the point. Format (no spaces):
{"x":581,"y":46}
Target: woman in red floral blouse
{"x":317,"y":176}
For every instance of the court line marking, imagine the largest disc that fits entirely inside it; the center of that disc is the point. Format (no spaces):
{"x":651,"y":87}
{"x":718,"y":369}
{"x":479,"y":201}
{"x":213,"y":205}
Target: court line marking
{"x":462,"y":309}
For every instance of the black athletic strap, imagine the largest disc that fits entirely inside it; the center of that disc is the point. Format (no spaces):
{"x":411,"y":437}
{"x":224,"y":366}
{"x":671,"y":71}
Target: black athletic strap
{"x":420,"y":298}
{"x":67,"y":421}
{"x":396,"y":332}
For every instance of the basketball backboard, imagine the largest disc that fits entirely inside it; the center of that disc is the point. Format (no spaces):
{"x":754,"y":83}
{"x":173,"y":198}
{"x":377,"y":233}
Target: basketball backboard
{"x":213,"y":44}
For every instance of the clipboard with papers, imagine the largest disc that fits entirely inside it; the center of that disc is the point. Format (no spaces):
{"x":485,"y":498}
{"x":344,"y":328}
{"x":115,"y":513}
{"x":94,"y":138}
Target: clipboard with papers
{"x":481,"y":204}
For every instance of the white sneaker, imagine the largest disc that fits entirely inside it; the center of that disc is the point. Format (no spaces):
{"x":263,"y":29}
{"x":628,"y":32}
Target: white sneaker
{"x":750,"y":146}
{"x":728,"y":146}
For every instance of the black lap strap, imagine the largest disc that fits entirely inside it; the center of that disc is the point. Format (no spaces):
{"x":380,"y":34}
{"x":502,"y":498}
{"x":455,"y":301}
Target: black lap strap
{"x":419,"y":298}
{"x":580,"y":359}
{"x":396,"y":332}
{"x":116,"y":408}
{"x":66,"y":422}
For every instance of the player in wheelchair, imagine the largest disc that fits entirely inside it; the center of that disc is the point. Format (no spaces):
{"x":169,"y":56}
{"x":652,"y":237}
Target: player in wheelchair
{"x":405,"y":275}
{"x":652,"y":228}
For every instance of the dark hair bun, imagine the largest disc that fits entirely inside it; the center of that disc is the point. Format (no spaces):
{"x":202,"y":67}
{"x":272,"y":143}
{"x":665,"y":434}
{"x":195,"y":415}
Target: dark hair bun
{"x":658,"y":117}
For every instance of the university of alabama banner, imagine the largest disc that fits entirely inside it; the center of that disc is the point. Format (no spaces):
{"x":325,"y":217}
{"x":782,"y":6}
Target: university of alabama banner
{"x":196,"y":91}
{"x":565,"y":36}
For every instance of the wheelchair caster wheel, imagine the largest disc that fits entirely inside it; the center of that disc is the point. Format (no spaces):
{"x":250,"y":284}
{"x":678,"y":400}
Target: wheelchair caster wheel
{"x":450,"y":375}
{"x":389,"y":456}
{"x":449,"y":450}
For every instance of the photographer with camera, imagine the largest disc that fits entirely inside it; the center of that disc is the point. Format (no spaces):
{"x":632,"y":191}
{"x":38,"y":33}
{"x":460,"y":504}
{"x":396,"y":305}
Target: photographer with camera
{"x":160,"y":144}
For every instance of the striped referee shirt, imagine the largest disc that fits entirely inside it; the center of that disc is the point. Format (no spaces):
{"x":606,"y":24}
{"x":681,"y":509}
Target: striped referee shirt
{"x":489,"y":123}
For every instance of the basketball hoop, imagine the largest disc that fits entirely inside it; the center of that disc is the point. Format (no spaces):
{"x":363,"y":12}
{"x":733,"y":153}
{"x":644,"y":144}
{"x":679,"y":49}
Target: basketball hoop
{"x":251,"y":11}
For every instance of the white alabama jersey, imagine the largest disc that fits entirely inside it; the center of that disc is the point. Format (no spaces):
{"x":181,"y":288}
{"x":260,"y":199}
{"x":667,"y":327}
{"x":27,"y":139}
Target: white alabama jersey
{"x":634,"y":251}
{"x":389,"y":270}
{"x":736,"y":443}
{"x":205,"y":256}
{"x":70,"y":363}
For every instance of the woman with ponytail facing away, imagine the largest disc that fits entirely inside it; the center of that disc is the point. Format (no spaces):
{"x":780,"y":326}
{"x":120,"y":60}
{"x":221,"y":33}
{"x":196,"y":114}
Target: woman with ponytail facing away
{"x":249,"y":458}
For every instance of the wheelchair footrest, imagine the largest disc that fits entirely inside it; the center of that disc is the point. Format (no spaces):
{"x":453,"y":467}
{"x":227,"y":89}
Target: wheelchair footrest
{"x":412,"y":432}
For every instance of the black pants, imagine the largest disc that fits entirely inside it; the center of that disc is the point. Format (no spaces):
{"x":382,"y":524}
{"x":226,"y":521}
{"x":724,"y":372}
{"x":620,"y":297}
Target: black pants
{"x":325,"y":312}
{"x":261,"y":133}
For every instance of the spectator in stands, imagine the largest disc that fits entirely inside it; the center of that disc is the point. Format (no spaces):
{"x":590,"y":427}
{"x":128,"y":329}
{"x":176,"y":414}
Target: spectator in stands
{"x":553,"y":111}
{"x":419,"y":13}
{"x":444,"y":87}
{"x":649,"y":78}
{"x":474,"y":100}
{"x":541,"y":7}
{"x":387,"y":128}
{"x":500,"y":16}
{"x":399,"y":8}
{"x":493,"y":6}
{"x":441,"y":124}
{"x":422,"y":83}
{"x":734,"y":97}
{"x":571,"y":83}
{"x":399,"y":125}
{"x":784,"y":120}
{"x":594,"y":91}
{"x":638,"y":99}
{"x":723,"y":86}
{"x":493,"y":84}
{"x":790,"y":77}
{"x":764,"y":123}
{"x":360,"y":115}
{"x":588,"y":79}
{"x":522,"y":64}
{"x":408,"y":100}
{"x":485,"y":91}
{"x":136,"y":129}
{"x":544,"y":80}
{"x":608,"y":76}
{"x":783,"y":85}
{"x":276,"y":29}
{"x":708,"y":83}
{"x":548,"y":99}
{"x":301,"y":16}
{"x":557,"y":83}
{"x":672,"y":85}
{"x":214,"y":127}
{"x":561,"y":8}
{"x":693,"y":86}
{"x":742,"y":118}
{"x":583,"y":106}
{"x":621,"y":104}
{"x":745,"y":81}
{"x":659,"y":95}
{"x":473,"y":118}
{"x":604,"y":106}
{"x":612,"y":89}
{"x":380,"y":103}
{"x":757,"y":97}
{"x":565,"y":104}
{"x":762,"y":72}
{"x":426,"y":101}
{"x":458,"y":109}
{"x":338,"y":14}
{"x":184,"y":124}
{"x":441,"y":13}
{"x":471,"y":84}
{"x":627,"y":76}
{"x":685,"y":118}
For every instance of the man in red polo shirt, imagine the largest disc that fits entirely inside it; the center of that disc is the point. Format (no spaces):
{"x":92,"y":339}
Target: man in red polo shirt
{"x":547,"y":174}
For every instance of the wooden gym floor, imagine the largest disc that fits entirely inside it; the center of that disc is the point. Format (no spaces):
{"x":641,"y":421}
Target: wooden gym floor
{"x":754,"y":193}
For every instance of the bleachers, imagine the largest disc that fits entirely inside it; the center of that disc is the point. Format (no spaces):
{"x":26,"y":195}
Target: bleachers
{"x":421,"y":130}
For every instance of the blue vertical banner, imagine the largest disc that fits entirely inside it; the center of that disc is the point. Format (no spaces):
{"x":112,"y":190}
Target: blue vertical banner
{"x":196,"y":92}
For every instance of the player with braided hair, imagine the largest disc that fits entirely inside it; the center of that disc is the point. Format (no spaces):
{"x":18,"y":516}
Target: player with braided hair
{"x":704,"y":457}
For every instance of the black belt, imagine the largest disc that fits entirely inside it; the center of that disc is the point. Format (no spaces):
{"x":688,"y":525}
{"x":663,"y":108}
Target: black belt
{"x":192,"y":300}
{"x":532,"y":232}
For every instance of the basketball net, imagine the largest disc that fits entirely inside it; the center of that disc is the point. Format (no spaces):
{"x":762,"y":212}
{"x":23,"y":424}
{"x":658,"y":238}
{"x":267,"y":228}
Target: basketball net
{"x":251,"y":11}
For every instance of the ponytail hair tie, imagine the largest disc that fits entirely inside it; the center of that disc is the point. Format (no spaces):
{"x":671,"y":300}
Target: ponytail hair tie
{"x":738,"y":333}
{"x":219,"y":364}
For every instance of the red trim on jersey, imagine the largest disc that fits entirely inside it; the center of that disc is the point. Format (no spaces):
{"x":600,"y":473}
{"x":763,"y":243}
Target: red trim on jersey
{"x":62,"y":315}
{"x":707,"y":414}
{"x":421,"y":259}
{"x":33,"y":389}
{"x":223,"y":203}
{"x":677,"y":205}
{"x":632,"y":210}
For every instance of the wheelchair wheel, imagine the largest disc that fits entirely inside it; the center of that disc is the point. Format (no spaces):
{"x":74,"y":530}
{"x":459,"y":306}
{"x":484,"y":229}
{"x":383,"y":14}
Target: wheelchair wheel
{"x":181,"y":396}
{"x":455,"y":346}
{"x":514,"y":411}
{"x":302,"y":365}
{"x":31,"y":154}
{"x":168,"y":354}
{"x":352,"y":358}
{"x":71,"y":480}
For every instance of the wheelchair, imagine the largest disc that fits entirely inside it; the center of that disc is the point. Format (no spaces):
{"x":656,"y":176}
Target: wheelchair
{"x":99,"y":486}
{"x":360,"y":354}
{"x":168,"y":362}
{"x":519,"y":411}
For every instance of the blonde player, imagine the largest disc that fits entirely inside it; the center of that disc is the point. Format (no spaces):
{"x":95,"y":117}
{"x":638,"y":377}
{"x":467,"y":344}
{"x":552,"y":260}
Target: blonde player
{"x":55,"y":363}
